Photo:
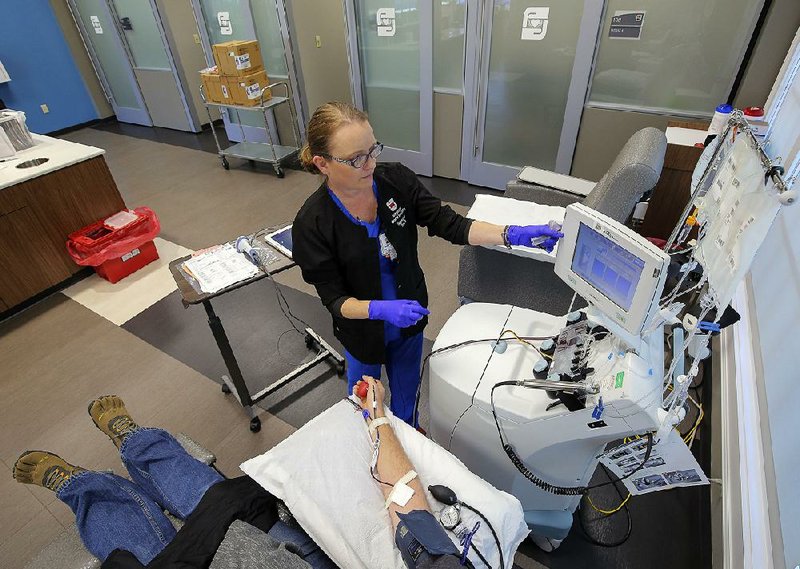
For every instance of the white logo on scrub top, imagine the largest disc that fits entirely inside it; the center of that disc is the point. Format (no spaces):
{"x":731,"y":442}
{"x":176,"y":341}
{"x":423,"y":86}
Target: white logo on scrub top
{"x":391,"y":204}
{"x":386,"y":22}
{"x":534,"y":23}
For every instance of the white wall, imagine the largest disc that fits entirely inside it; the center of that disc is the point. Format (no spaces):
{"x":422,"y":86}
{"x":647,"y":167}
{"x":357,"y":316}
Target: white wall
{"x":776,"y":289}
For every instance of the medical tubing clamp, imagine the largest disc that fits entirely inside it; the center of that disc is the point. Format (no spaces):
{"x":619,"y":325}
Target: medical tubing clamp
{"x":527,"y":473}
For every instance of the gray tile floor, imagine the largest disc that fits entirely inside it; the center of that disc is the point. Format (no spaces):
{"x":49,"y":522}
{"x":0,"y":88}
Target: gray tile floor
{"x":58,"y":355}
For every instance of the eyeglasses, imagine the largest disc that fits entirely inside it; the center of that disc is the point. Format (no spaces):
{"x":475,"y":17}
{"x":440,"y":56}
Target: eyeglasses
{"x":359,"y":161}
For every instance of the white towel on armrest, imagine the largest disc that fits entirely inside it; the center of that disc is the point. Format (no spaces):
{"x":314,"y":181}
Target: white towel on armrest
{"x":322,"y":474}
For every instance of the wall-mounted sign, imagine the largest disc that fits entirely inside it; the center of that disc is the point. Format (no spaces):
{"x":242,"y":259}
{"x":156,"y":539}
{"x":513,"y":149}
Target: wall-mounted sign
{"x":386,"y":22}
{"x":224,"y":21}
{"x":534,"y":23}
{"x":626,"y":25}
{"x":98,"y":29}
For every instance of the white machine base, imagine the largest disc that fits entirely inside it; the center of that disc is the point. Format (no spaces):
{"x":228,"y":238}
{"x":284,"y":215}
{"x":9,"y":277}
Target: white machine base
{"x":560,"y":446}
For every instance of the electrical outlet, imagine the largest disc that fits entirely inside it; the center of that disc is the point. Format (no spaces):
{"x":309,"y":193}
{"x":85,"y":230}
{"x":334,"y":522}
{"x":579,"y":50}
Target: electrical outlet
{"x":44,"y":108}
{"x":196,"y":38}
{"x":317,"y":41}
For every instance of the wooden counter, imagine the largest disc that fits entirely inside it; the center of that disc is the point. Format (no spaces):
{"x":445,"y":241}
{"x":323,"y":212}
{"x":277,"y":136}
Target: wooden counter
{"x":38,"y":209}
{"x":673,"y":189}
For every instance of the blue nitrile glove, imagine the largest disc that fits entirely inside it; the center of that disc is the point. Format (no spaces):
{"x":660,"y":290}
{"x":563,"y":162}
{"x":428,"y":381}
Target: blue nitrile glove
{"x":401,"y":313}
{"x":542,"y":236}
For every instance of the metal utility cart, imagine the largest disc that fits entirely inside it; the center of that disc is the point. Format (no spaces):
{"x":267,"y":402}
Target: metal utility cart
{"x":267,"y":152}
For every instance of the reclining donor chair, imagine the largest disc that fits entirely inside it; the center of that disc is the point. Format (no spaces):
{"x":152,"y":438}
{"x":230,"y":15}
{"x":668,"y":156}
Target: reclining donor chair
{"x":493,"y":275}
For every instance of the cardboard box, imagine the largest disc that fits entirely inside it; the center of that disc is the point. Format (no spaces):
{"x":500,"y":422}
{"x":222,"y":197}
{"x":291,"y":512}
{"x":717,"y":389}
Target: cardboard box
{"x":214,"y":87}
{"x":238,"y":57}
{"x":246,"y":90}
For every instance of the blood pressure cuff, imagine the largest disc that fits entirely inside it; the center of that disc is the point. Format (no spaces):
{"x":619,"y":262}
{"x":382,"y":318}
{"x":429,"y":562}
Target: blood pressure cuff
{"x":424,"y":544}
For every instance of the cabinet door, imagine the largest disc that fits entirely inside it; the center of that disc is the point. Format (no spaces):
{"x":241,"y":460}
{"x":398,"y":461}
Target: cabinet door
{"x":26,"y":254}
{"x":71,"y":198}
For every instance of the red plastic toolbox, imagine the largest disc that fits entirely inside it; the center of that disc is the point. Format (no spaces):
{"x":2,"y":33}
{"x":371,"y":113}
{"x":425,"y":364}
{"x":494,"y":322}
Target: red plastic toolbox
{"x":118,"y":268}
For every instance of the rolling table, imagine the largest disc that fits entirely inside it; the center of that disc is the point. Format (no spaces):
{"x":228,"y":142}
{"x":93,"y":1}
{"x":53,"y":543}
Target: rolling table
{"x":234,"y":381}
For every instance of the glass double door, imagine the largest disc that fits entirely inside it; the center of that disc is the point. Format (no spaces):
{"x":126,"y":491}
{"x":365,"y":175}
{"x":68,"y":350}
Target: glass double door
{"x":133,"y":59}
{"x":98,"y":28}
{"x":526,"y":73}
{"x":265,"y":21}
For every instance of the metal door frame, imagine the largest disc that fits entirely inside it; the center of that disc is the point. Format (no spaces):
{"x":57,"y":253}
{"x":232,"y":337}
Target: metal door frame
{"x":294,"y":71}
{"x":420,"y":161}
{"x":476,"y":71}
{"x":124,"y":114}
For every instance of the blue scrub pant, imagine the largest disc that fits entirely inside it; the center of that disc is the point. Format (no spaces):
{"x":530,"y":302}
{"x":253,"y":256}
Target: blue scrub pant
{"x":403,"y":359}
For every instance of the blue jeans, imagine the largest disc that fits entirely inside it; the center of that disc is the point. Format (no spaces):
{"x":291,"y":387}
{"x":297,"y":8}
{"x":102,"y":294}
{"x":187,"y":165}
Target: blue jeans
{"x":403,"y":358}
{"x":112,"y":512}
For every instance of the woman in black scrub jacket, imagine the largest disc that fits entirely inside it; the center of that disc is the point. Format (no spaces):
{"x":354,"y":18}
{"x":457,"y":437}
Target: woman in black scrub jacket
{"x":355,"y":240}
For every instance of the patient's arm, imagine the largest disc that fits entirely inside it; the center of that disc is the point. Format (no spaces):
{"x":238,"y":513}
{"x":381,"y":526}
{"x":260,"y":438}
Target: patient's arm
{"x":393,"y":463}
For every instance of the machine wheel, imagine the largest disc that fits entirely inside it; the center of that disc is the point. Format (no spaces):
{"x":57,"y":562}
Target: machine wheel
{"x":225,"y":163}
{"x":252,"y":163}
{"x":279,"y":171}
{"x":340,"y":369}
{"x":255,"y":425}
{"x":225,"y":388}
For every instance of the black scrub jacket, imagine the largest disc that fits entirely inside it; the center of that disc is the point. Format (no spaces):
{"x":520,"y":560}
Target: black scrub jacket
{"x":341,"y":261}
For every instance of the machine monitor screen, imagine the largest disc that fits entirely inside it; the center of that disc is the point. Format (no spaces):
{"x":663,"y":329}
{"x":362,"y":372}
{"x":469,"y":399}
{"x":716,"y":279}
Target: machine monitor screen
{"x":607,"y":266}
{"x":619,"y":272}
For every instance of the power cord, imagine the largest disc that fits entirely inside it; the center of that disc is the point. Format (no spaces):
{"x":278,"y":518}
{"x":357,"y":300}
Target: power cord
{"x":536,"y":480}
{"x":446,"y":496}
{"x":494,"y":534}
{"x":524,"y":339}
{"x":623,"y":506}
{"x":283,"y":304}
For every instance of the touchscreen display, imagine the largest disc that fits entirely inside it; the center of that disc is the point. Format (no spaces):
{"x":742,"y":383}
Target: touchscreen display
{"x":610,"y":268}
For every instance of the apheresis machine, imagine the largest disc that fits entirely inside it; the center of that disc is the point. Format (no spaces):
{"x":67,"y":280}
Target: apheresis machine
{"x":533,"y":402}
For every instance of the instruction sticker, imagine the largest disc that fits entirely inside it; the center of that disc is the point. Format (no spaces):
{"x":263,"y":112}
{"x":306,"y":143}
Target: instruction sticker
{"x":626,"y":25}
{"x":98,"y":29}
{"x":253,"y":91}
{"x":386,"y":22}
{"x":242,"y":61}
{"x":131,"y":255}
{"x":619,"y":379}
{"x":534,"y":23}
{"x":224,"y":21}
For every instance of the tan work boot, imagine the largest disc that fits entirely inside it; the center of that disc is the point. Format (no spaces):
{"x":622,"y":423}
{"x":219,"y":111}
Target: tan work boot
{"x":44,"y":469}
{"x":110,"y":416}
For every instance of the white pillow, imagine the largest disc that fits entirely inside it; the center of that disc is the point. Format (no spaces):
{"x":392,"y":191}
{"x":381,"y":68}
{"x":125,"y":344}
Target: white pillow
{"x":322,"y":474}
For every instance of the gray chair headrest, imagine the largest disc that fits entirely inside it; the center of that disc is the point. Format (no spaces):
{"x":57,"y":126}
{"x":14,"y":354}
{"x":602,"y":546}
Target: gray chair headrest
{"x":634,"y":172}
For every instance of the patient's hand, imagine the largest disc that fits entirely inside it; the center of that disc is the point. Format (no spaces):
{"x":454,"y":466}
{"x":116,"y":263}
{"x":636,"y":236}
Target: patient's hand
{"x":375,"y":393}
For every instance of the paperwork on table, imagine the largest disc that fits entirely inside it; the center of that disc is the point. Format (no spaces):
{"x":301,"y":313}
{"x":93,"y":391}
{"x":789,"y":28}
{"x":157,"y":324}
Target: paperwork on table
{"x":219,"y":267}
